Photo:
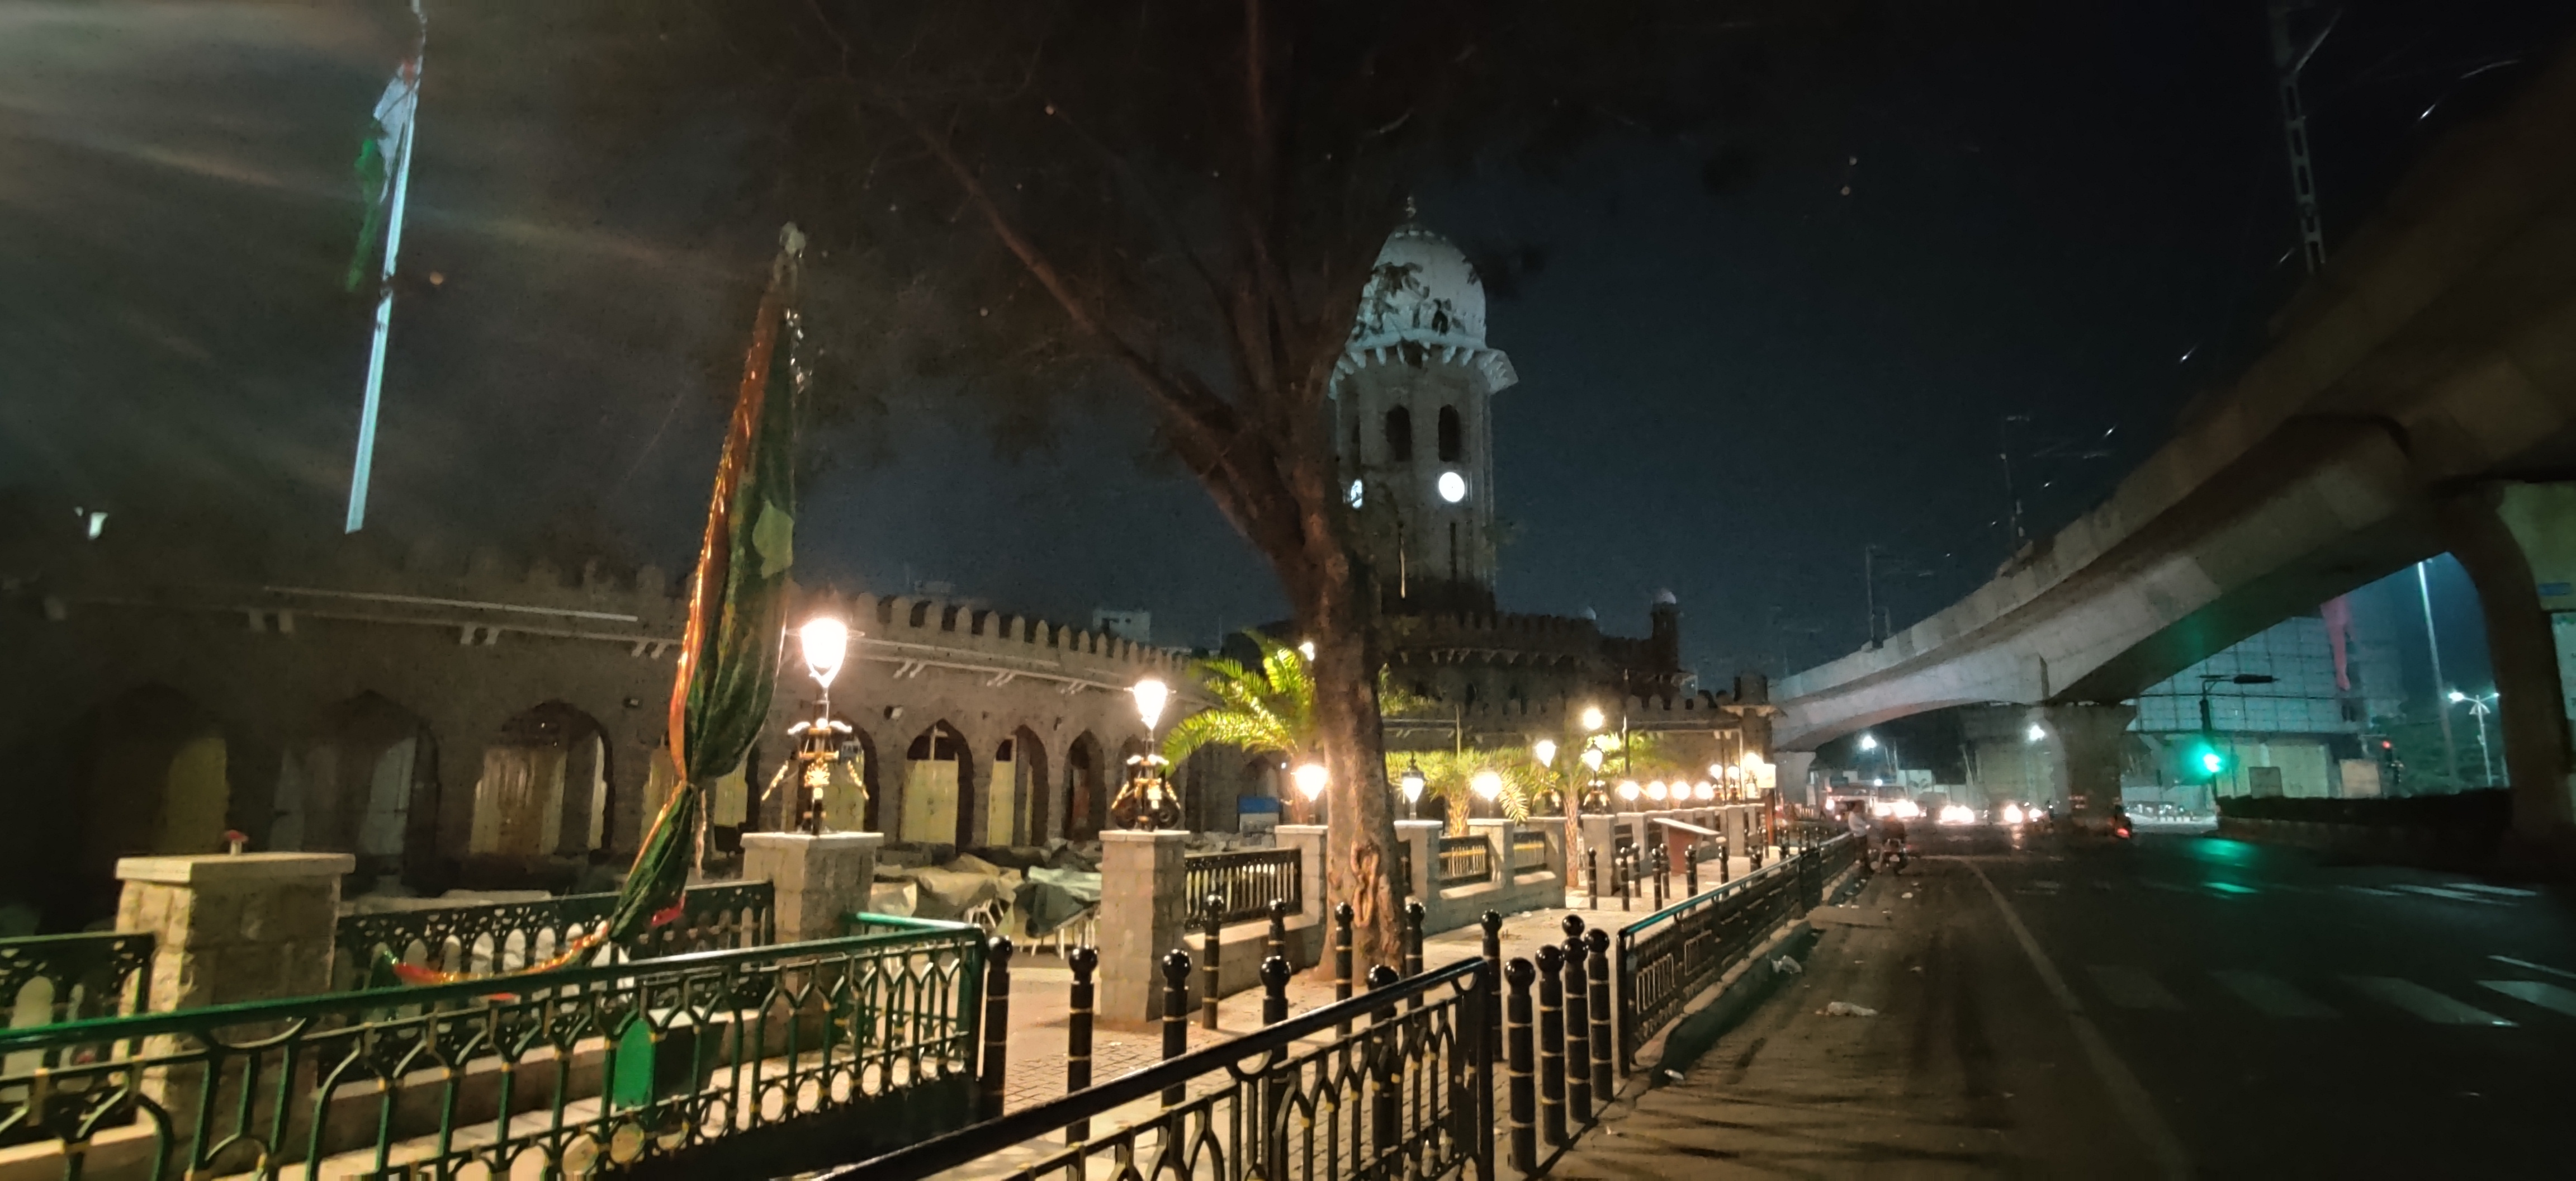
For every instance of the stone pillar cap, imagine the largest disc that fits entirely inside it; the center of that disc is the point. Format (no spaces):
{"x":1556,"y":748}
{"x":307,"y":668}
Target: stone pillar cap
{"x":1417,"y":824}
{"x":1115,"y":835}
{"x":234,"y":869}
{"x":803,"y":838}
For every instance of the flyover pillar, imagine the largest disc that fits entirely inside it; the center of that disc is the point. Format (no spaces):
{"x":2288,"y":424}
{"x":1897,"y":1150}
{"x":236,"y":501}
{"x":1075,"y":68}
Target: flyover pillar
{"x":2006,"y":764}
{"x":2518,"y":543}
{"x":2090,"y":745}
{"x":1794,"y":766}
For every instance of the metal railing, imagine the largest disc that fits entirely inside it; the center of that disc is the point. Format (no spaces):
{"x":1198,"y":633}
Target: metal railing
{"x":1408,"y":1094}
{"x":1529,"y":850}
{"x":45,"y":979}
{"x":564,"y":1071}
{"x":1667,"y":957}
{"x":1465,"y":861}
{"x":1248,"y":880}
{"x":507,"y":936}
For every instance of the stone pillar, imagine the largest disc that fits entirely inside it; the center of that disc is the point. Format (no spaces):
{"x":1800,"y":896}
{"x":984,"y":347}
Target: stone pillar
{"x":1498,"y":846}
{"x":2518,"y":543}
{"x":1142,"y":916}
{"x":228,"y":928}
{"x":2091,"y":744}
{"x":1423,"y":837}
{"x":1597,"y":845}
{"x":1308,"y":840}
{"x":816,"y":880}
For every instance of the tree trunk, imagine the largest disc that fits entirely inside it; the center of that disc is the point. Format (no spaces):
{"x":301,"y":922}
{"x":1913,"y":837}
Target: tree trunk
{"x":1360,"y":848}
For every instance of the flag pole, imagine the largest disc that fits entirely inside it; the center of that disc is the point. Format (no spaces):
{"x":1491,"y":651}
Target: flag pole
{"x":358,"y":476}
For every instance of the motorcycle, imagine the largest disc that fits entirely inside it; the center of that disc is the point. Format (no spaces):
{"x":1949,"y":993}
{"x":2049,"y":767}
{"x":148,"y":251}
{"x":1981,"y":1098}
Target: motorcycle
{"x":1890,"y":857}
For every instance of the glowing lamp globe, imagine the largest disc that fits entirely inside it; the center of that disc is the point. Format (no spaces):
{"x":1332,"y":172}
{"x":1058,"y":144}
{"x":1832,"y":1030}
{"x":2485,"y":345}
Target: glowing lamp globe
{"x":1151,"y":695}
{"x":1486,"y":784}
{"x":825,"y":642}
{"x":1310,"y":779}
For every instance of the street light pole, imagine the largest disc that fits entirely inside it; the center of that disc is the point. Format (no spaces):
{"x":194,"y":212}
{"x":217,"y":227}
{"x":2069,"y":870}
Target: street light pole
{"x":2479,"y":708}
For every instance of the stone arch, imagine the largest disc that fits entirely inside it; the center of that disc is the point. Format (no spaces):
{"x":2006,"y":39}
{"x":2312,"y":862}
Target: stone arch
{"x":1086,"y":809}
{"x":1453,"y":436}
{"x":543,"y":791}
{"x":1018,"y":814}
{"x":939,"y":772}
{"x":354,"y":781}
{"x":1399,"y":435}
{"x":149,"y":773}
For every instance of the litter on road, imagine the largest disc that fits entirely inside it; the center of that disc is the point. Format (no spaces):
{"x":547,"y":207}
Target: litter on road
{"x":1848,"y":1009}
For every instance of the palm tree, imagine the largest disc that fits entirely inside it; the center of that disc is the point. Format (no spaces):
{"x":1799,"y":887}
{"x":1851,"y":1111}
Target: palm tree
{"x":1268,"y":708}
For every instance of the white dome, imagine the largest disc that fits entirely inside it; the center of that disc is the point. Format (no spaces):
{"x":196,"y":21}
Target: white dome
{"x":1423,"y":290}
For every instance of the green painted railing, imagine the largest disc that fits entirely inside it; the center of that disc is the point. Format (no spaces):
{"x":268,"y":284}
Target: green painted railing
{"x":552,"y":1074}
{"x":50,"y":978}
{"x":506,"y":936}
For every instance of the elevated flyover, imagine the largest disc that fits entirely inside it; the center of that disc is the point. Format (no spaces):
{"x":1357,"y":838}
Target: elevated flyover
{"x":2419,"y":396}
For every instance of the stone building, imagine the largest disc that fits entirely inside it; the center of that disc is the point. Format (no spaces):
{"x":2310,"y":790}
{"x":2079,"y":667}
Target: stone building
{"x":475,"y":719}
{"x":1413,"y":421}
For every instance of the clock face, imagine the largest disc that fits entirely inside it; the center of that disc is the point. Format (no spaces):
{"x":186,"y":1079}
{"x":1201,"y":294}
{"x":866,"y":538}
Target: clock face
{"x":1453,"y":487}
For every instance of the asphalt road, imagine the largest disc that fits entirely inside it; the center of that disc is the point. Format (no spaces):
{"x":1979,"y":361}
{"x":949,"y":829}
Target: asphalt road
{"x":2176,"y":1005}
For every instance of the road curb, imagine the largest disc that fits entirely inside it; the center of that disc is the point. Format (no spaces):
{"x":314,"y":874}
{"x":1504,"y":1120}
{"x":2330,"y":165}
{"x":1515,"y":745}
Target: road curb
{"x":1722,"y":1006}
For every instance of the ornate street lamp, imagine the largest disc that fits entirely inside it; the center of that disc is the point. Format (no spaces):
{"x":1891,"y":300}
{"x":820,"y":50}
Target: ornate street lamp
{"x":1411,"y":782}
{"x":825,"y":644}
{"x":1147,"y":802}
{"x":1656,"y":791}
{"x":1628,"y":791}
{"x":1486,"y":784}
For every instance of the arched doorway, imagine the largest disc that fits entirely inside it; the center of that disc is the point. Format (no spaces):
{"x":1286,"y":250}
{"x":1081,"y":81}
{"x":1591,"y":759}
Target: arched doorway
{"x":543,"y":792}
{"x":353,"y":784}
{"x":1086,"y":806}
{"x":936,"y":764}
{"x":149,"y":774}
{"x":1030,"y":795}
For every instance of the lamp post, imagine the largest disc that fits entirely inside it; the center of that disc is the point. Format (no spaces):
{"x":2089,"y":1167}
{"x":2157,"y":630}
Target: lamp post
{"x":1411,"y":783}
{"x":824,"y":642}
{"x":2480,"y":707}
{"x":1310,"y":779}
{"x":2208,"y":731}
{"x":1147,"y":802}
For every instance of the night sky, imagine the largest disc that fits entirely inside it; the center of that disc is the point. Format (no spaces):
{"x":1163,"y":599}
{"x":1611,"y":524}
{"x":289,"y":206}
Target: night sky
{"x":1733,"y":379}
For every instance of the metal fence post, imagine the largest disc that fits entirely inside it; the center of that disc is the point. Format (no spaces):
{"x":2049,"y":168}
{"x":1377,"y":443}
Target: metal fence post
{"x":1725,"y":860}
{"x":1592,"y":870}
{"x":1342,"y":961}
{"x":1273,"y":1134}
{"x":1627,"y":875}
{"x":1658,"y":862}
{"x":1274,"y":990}
{"x":1278,"y":948}
{"x":1690,"y":869}
{"x":1597,"y":969}
{"x":1578,"y":1026}
{"x":1176,"y":1016}
{"x":1077,"y":1034}
{"x":997,"y":1026}
{"x":1516,"y":1044}
{"x":1207,"y":967}
{"x":1551,"y":1045}
{"x":1479,"y":1106}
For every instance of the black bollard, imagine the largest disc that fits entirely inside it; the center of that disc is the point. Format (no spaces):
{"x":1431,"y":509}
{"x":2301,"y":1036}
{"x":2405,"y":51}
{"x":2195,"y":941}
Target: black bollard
{"x":1414,"y":916}
{"x":1725,"y":860}
{"x":1518,"y":1061}
{"x":1278,"y":948}
{"x":1656,"y":859}
{"x":1592,"y":871}
{"x":1578,"y":1026}
{"x":1604,"y":1050}
{"x":1342,"y":961}
{"x":1627,"y":879}
{"x":1207,"y":967}
{"x":1274,"y":990}
{"x":997,"y":1025}
{"x":1551,"y":1045}
{"x":1176,"y":1016}
{"x":1077,"y":1034}
{"x":1493,"y":924}
{"x":1690,"y":870}
{"x":1385,"y":1065}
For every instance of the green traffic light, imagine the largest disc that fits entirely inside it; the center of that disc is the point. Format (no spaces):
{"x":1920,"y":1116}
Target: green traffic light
{"x":2211,"y":762}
